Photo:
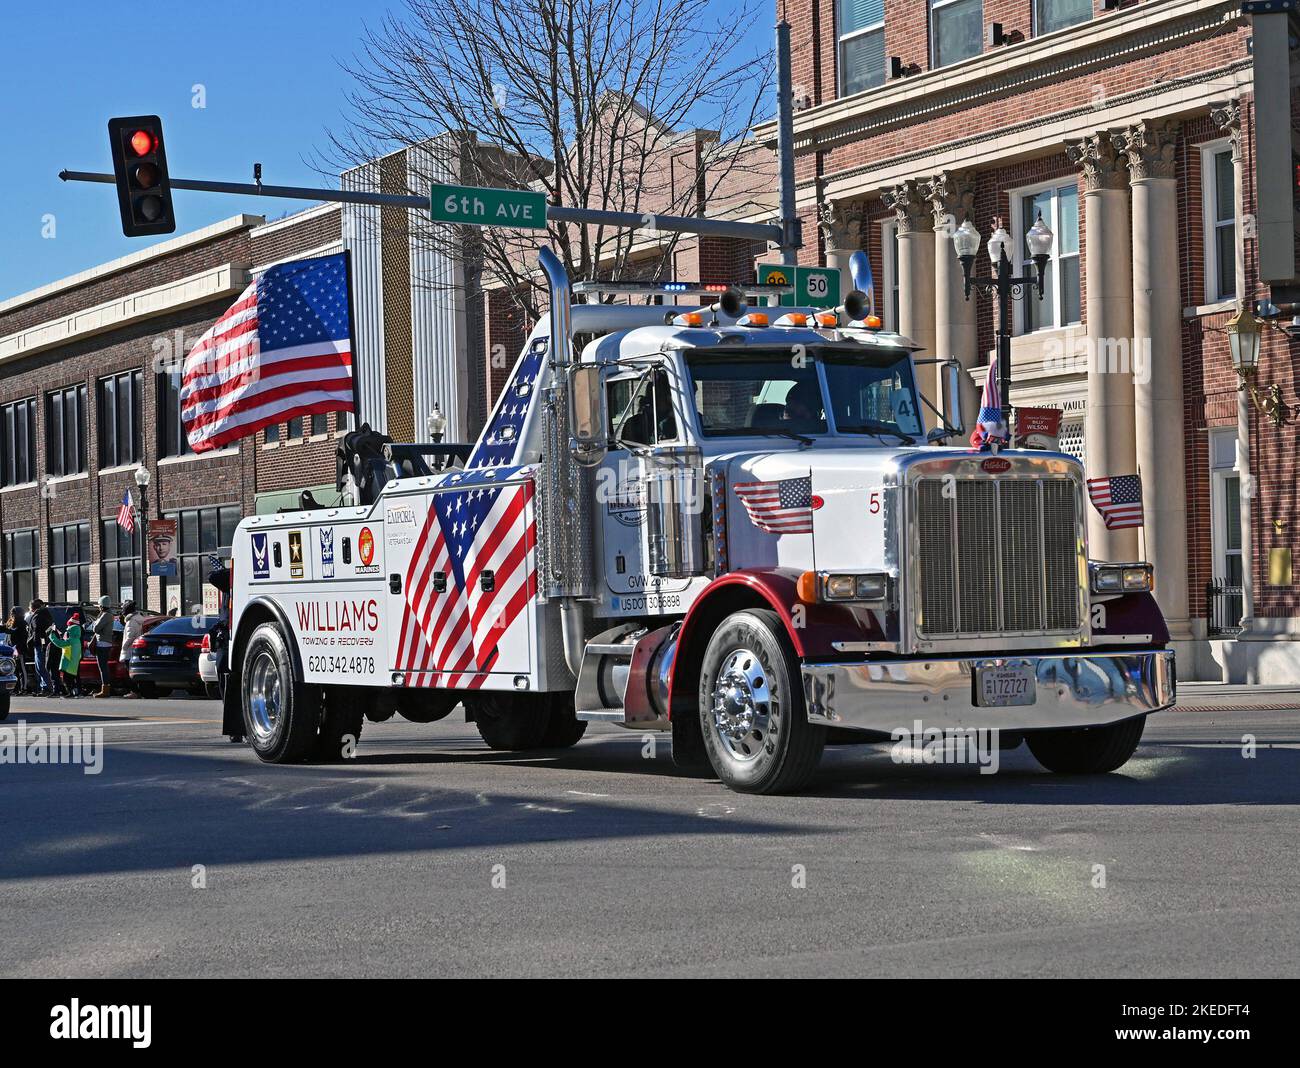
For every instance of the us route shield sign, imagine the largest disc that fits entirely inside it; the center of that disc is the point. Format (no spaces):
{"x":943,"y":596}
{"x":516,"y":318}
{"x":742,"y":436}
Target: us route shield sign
{"x":815,"y":287}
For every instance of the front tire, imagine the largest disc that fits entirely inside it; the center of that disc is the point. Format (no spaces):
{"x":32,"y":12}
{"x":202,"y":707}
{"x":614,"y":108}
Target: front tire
{"x":280,"y":717}
{"x":752,"y":711}
{"x":1087,"y":750}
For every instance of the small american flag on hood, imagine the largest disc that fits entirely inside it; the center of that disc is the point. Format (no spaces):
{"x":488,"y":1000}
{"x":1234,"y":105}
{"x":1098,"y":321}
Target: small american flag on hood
{"x":783,"y":507}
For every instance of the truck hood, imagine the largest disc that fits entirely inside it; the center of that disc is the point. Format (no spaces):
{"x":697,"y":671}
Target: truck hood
{"x":824,"y":509}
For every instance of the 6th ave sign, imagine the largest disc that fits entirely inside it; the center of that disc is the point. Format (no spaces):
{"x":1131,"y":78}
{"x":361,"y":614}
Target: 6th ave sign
{"x":487,"y":207}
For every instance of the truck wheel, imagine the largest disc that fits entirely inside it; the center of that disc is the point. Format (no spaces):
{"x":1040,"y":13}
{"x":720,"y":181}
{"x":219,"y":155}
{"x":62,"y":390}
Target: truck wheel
{"x":1087,"y":750}
{"x":510,"y":720}
{"x":340,"y":725}
{"x":280,"y":716}
{"x":563,"y":728}
{"x":752,"y":711}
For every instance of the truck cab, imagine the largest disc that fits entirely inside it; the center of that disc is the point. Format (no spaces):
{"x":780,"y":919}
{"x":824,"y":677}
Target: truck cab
{"x":727,"y":521}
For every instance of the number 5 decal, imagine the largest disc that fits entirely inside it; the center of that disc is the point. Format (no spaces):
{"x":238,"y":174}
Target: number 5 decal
{"x":873,"y":502}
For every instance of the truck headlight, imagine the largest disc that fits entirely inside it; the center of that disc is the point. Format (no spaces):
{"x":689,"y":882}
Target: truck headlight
{"x":1120,"y":578}
{"x":6,"y":665}
{"x":828,"y":586}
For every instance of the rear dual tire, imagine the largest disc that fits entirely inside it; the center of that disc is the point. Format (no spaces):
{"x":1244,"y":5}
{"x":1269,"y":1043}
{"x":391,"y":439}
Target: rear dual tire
{"x":514,"y":722}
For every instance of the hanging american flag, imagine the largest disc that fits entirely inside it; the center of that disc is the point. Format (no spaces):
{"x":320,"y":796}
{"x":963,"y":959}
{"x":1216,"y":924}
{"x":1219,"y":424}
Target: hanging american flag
{"x":126,"y":514}
{"x":471,"y":575}
{"x":783,"y":507}
{"x":282,"y":350}
{"x":1118,"y":499}
{"x":991,"y":423}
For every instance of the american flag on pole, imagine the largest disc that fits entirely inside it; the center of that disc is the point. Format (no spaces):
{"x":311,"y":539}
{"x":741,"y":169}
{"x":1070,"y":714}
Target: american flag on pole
{"x":783,"y":507}
{"x":471,"y":575}
{"x":1118,"y":499}
{"x":125,"y":514}
{"x":991,"y":423}
{"x":282,"y":350}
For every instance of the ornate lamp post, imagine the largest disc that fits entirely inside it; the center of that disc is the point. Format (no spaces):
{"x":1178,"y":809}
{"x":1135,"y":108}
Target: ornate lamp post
{"x":1007,"y":286}
{"x":142,"y":487}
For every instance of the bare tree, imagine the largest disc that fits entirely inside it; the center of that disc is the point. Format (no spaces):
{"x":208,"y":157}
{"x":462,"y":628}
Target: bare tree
{"x":626,"y":105}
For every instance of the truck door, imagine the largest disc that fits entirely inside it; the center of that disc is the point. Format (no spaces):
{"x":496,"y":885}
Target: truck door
{"x":641,"y":416}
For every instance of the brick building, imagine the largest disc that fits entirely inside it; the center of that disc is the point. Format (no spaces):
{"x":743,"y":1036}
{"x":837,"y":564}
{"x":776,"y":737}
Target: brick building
{"x":1131,"y":127}
{"x":89,"y":372}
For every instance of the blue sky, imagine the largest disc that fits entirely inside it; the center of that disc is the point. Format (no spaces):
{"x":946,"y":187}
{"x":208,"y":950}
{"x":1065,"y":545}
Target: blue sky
{"x":273,"y":85}
{"x":272,"y":81}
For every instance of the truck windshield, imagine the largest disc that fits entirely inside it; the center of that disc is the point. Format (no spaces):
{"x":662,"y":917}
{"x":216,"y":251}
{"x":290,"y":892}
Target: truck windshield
{"x":777,"y":393}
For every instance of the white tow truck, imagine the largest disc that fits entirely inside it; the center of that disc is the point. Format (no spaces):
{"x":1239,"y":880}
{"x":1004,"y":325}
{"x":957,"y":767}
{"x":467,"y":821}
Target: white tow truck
{"x":725,"y":522}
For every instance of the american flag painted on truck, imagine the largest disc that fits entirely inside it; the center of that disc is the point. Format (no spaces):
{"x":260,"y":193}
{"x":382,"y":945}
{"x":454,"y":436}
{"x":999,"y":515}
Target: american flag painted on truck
{"x":471,"y":576}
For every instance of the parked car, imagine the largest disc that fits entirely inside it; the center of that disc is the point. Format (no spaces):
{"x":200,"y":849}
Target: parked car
{"x":119,"y":678}
{"x":166,"y":657}
{"x":8,"y":678}
{"x":212,"y":652}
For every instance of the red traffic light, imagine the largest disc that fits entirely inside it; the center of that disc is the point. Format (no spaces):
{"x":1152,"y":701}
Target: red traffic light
{"x":143,"y":142}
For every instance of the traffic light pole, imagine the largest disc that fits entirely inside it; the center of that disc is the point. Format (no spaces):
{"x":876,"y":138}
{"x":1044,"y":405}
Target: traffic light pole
{"x":684,"y":224}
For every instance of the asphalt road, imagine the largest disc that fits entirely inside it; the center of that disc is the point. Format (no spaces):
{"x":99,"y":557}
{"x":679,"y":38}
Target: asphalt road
{"x":614,"y":865}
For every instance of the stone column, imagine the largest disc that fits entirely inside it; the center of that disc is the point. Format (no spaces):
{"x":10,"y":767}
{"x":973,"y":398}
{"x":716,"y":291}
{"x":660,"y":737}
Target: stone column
{"x":952,"y":197}
{"x":1108,"y":315}
{"x":911,"y":207}
{"x":1227,"y":116}
{"x":841,"y":222}
{"x":1158,"y":380}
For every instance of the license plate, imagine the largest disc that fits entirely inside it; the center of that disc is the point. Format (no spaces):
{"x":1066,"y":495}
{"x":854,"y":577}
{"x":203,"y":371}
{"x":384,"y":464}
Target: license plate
{"x":998,"y":687}
{"x":165,"y":650}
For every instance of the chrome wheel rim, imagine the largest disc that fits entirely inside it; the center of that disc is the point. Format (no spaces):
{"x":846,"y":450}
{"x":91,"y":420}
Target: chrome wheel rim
{"x":264,"y":697}
{"x":744,"y":709}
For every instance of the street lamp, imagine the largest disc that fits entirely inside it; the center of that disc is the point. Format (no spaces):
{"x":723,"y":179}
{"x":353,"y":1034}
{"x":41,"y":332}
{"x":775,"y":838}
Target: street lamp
{"x":1007,"y":286}
{"x":1244,"y":331}
{"x":436,"y":423}
{"x":142,"y":485}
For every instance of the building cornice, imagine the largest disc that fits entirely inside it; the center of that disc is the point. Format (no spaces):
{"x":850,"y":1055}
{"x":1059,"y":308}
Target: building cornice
{"x":1151,"y":27}
{"x":133,"y":260}
{"x":229,"y":279}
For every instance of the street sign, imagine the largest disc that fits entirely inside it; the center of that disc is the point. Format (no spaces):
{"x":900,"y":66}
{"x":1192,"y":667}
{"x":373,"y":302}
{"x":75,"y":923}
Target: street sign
{"x":519,"y":208}
{"x":815,"y":287}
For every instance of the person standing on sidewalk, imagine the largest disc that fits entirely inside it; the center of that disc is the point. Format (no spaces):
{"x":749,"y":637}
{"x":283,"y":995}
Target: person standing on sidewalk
{"x":15,"y":628}
{"x":70,"y":662}
{"x":132,"y":628}
{"x":39,"y":623}
{"x":102,"y":635}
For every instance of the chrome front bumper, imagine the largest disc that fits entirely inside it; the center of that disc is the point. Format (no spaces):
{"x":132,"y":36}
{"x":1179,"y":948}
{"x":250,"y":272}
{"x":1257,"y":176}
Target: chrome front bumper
{"x":1086,"y":690}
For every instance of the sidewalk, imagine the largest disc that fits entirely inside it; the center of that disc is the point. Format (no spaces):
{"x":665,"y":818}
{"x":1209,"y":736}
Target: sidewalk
{"x":1218,"y":696}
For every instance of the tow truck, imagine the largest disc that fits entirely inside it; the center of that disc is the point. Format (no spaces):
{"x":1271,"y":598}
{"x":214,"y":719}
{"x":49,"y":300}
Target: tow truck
{"x":723,"y":521}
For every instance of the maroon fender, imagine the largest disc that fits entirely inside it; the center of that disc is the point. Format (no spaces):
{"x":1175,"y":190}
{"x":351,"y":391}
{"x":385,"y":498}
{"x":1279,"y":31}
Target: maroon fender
{"x":813,"y":636}
{"x":1133,"y":613}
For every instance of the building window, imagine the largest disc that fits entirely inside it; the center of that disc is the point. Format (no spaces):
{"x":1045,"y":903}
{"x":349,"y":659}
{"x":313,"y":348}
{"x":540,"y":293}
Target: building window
{"x":1225,"y":518}
{"x":1059,"y":207}
{"x":272,"y":434}
{"x":21,"y":560}
{"x":70,"y":562}
{"x":889,"y":274}
{"x":119,"y":407}
{"x":65,"y":431}
{"x":862,"y":45}
{"x":18,"y":462}
{"x":120,"y":569}
{"x":171,"y":434}
{"x":320,"y":424}
{"x":1050,"y":15}
{"x":1219,"y":199}
{"x":200,"y":533}
{"x":956,"y":30}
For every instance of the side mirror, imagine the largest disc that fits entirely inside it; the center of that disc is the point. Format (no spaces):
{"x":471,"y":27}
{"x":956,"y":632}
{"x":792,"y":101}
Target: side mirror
{"x":587,"y":416}
{"x":952,"y":372}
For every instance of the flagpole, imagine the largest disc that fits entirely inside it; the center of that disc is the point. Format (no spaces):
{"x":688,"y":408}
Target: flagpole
{"x":352,"y":343}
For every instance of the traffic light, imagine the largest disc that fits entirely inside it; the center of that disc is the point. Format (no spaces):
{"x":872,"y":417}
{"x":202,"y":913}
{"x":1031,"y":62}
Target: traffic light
{"x":140,"y":167}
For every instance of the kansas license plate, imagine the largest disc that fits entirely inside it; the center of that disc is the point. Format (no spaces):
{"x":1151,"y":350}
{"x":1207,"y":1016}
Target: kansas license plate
{"x":165,"y":650}
{"x":1001,"y":686}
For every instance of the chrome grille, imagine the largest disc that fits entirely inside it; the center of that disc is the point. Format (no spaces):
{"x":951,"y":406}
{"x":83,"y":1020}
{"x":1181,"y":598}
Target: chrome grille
{"x":996,"y":556}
